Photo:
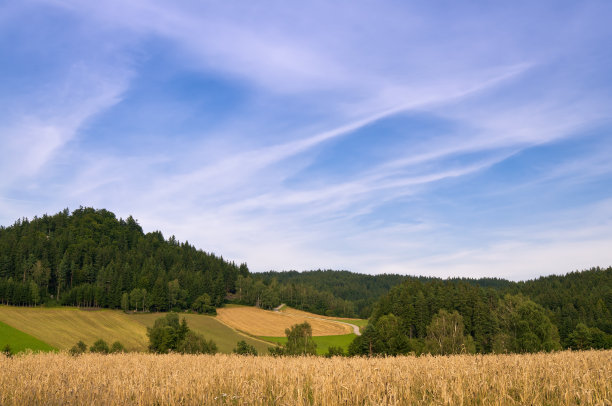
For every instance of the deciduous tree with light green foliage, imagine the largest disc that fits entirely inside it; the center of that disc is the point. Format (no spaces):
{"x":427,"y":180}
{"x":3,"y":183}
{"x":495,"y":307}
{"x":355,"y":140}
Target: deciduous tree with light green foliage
{"x":299,"y":340}
{"x":445,"y":334}
{"x":525,"y":327}
{"x":203,"y":304}
{"x":390,"y":339}
{"x":125,"y":302}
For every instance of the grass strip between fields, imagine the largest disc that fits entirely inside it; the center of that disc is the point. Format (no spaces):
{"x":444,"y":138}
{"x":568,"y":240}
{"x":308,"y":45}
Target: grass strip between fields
{"x":361,"y":323}
{"x":323,"y":342}
{"x":20,"y":341}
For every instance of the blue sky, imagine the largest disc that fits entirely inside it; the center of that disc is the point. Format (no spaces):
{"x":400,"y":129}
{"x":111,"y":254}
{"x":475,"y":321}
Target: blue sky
{"x":430,"y":138}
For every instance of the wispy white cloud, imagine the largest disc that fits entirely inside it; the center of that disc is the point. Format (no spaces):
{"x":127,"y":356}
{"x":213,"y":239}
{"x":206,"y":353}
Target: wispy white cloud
{"x":50,"y":118}
{"x":495,"y":75}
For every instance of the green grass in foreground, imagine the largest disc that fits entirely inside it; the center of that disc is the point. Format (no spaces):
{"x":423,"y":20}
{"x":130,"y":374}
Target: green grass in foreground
{"x":20,"y":341}
{"x":323,"y":342}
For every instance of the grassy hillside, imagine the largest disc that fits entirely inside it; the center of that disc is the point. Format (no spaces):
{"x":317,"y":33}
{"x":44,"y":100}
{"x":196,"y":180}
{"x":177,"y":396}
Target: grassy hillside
{"x":20,"y":341}
{"x":323,"y":342}
{"x":63,"y":327}
{"x":224,"y":336}
{"x":260,"y":322}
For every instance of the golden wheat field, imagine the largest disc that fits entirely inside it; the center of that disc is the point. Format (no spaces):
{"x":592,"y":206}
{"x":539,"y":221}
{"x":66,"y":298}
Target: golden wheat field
{"x":566,"y":378}
{"x":260,"y":322}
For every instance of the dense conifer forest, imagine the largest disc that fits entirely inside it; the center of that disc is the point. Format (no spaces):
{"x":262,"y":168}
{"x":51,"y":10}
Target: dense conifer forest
{"x":90,"y":258}
{"x":450,"y":316}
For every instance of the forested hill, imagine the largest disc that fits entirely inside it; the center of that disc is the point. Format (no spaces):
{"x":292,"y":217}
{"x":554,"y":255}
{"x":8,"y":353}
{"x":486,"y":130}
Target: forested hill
{"x":359,"y":291}
{"x":570,"y":311}
{"x":344,"y":293}
{"x":91,"y":258}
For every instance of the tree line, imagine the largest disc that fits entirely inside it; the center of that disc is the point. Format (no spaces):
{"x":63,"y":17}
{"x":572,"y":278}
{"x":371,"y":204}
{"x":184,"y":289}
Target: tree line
{"x":444,"y":317}
{"x":91,"y":258}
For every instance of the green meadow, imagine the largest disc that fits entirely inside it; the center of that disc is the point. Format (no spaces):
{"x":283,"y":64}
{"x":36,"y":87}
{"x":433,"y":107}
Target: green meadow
{"x":323,"y":342}
{"x":19,"y":341}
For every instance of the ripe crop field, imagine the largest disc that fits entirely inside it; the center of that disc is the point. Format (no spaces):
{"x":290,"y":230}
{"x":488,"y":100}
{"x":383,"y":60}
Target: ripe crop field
{"x":19,"y":341}
{"x":553,"y":379}
{"x":357,"y":322}
{"x":210,"y":327}
{"x":260,"y":322}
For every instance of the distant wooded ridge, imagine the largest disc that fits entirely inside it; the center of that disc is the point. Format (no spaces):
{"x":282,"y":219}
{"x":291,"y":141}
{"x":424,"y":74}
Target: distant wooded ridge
{"x":90,"y":258}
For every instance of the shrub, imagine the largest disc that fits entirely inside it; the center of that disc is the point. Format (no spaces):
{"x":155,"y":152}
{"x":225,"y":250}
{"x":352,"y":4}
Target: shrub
{"x":78,"y":348}
{"x":117,"y":347}
{"x":100,"y":347}
{"x":277,"y":351}
{"x":196,"y":344}
{"x":243,"y":348}
{"x":335,"y":352}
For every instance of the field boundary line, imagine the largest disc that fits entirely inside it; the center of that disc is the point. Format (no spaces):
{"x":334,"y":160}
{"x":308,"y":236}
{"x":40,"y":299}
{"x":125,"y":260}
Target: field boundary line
{"x":244,"y":333}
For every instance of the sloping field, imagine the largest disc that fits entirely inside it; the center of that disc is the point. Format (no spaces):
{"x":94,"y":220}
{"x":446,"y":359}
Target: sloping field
{"x":19,"y":341}
{"x":358,"y":322}
{"x":291,"y":310}
{"x":260,"y":322}
{"x":224,"y":336}
{"x":63,"y":327}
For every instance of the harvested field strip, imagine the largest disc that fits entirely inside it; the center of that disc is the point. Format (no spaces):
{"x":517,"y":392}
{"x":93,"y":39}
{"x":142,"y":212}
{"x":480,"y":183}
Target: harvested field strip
{"x":357,"y":322}
{"x":562,"y":378}
{"x":224,"y":336}
{"x":357,"y":325}
{"x":260,"y":322}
